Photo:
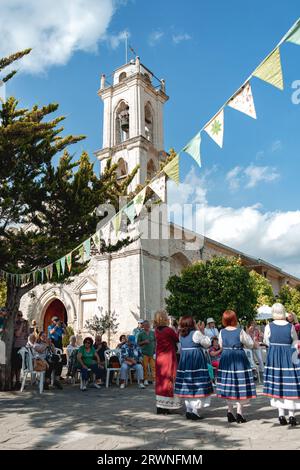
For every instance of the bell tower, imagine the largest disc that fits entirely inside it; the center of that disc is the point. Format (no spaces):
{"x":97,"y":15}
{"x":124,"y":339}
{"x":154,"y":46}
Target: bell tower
{"x":133,"y":121}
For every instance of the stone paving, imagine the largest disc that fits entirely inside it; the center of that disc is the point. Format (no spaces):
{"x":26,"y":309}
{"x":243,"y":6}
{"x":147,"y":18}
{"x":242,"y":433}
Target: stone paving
{"x":125,"y":419}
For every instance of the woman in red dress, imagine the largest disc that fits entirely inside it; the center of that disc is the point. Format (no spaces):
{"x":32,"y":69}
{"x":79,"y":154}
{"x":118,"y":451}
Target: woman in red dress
{"x":166,"y":364}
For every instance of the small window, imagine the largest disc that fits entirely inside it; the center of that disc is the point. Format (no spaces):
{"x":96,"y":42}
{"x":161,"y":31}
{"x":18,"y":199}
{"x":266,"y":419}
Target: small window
{"x":122,"y":76}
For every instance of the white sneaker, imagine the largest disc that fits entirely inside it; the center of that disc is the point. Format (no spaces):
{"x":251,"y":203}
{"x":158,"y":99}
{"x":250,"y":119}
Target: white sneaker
{"x":142,"y":386}
{"x":122,"y":386}
{"x":96,"y":385}
{"x":83,"y":388}
{"x":146,"y":382}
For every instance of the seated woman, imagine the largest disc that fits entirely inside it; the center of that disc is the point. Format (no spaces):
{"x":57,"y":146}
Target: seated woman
{"x":43,"y":348}
{"x":123,"y":340}
{"x":215,"y":351}
{"x":89,"y":359}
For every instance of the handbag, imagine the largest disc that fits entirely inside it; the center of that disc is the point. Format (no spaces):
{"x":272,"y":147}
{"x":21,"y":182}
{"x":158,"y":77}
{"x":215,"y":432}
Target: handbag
{"x":63,"y":359}
{"x":52,"y":357}
{"x":39,"y":365}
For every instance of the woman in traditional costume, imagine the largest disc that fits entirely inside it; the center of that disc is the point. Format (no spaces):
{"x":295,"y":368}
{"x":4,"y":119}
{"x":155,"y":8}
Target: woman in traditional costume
{"x":192,"y":380}
{"x":165,"y":364}
{"x":282,"y":371}
{"x":235,"y":379}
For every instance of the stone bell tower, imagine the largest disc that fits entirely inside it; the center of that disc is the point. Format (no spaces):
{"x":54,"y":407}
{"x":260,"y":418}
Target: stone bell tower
{"x":133,"y":121}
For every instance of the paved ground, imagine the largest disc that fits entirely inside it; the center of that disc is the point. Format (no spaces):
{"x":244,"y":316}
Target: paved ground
{"x":125,"y":419}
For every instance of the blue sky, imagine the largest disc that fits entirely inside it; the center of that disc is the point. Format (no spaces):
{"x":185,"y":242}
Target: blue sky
{"x":204,"y":51}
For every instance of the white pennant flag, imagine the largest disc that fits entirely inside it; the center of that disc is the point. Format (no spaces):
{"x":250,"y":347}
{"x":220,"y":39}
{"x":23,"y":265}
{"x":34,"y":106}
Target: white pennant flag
{"x":215,"y":128}
{"x":138,"y":201}
{"x":159,"y":187}
{"x":106,"y":233}
{"x":243,"y":101}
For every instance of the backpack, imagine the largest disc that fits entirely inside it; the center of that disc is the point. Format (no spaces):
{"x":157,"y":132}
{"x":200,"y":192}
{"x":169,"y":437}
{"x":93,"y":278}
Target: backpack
{"x":114,"y":362}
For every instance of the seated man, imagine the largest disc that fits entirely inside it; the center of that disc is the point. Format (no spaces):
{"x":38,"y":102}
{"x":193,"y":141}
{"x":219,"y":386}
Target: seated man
{"x":131,"y":358}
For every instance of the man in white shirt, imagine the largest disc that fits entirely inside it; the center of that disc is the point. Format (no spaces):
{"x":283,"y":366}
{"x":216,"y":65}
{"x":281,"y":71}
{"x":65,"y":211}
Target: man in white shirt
{"x":211,"y":329}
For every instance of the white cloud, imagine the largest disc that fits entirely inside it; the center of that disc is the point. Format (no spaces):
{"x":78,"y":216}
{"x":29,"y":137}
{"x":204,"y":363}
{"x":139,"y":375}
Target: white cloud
{"x":54,"y":30}
{"x":177,"y":38}
{"x":233,"y":178}
{"x":256,"y":174}
{"x":250,"y":176}
{"x":276,"y":146}
{"x":116,"y":39}
{"x":155,"y":37}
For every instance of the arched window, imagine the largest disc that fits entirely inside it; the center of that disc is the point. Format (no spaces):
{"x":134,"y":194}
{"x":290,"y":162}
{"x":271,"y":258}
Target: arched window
{"x":122,"y":76}
{"x":151,"y":170}
{"x":121,"y":123}
{"x":178,"y":262}
{"x":148,"y":122}
{"x":122,"y":168}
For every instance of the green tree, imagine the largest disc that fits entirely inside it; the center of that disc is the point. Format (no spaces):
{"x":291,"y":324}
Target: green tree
{"x":263,"y":289}
{"x":66,"y":338}
{"x":45,"y":211}
{"x":2,"y":293}
{"x":290,"y":298}
{"x":106,"y":323}
{"x":206,"y":289}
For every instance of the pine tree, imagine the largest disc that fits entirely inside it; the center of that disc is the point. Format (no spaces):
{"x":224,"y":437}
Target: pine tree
{"x":45,"y":211}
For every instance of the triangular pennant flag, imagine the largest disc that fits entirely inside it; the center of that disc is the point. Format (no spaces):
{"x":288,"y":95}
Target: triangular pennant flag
{"x":117,"y":222}
{"x":36,"y":276}
{"x":172,"y":169}
{"x":87,"y":248}
{"x":69,"y":261}
{"x":42,"y":275}
{"x":57,"y":264}
{"x":130,"y":211}
{"x":243,"y":101}
{"x":193,"y":148}
{"x":294,"y":35}
{"x":63,"y":264}
{"x":81,"y":253}
{"x":215,"y":128}
{"x":138,"y":201}
{"x":159,"y":187}
{"x":49,"y":271}
{"x":106,"y":233}
{"x":270,"y":70}
{"x":96,"y":238}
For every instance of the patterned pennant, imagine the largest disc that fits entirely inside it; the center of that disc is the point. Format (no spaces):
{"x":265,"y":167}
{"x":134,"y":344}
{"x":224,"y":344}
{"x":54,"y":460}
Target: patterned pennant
{"x":270,"y":70}
{"x":172,"y":169}
{"x":69,"y":261}
{"x":215,"y":128}
{"x":81,"y":253}
{"x":63,"y":264}
{"x":96,"y":239}
{"x":138,"y":201}
{"x":294,"y":34}
{"x":159,"y":187}
{"x":243,"y":101}
{"x":49,"y":271}
{"x":58,"y":267}
{"x":117,"y":222}
{"x":87,"y":248}
{"x":193,"y":148}
{"x":130,"y":211}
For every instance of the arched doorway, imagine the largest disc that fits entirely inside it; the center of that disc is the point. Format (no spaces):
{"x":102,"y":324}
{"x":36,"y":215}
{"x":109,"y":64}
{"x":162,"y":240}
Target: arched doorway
{"x":55,"y":309}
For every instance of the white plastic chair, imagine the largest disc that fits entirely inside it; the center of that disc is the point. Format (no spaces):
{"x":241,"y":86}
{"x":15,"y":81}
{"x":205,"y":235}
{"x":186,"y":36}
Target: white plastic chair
{"x":107,"y":355}
{"x":27,"y":368}
{"x":254,"y":366}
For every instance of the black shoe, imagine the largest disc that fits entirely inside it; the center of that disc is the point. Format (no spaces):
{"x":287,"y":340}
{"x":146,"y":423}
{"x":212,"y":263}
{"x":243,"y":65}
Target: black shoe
{"x":292,"y":421}
{"x":18,"y":386}
{"x":192,"y":416}
{"x":58,"y":385}
{"x":240,"y":418}
{"x":230,"y":417}
{"x":282,"y":420}
{"x":162,"y":411}
{"x":46,"y":386}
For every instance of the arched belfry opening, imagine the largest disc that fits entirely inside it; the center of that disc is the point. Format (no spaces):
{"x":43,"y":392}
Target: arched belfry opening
{"x":148,"y":122}
{"x":151,"y":170}
{"x":122,"y":122}
{"x":122,"y":169}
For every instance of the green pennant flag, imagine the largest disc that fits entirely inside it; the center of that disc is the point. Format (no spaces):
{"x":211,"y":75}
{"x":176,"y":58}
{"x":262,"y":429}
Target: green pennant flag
{"x":172,"y":169}
{"x":96,"y":238}
{"x":294,"y":34}
{"x":138,"y":201}
{"x":193,"y":148}
{"x":36,"y":276}
{"x":49,"y":271}
{"x":63,"y":264}
{"x":58,"y":267}
{"x":87,"y":248}
{"x":69,"y":261}
{"x":270,"y":70}
{"x":81,"y":253}
{"x":130,"y":211}
{"x":117,"y":222}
